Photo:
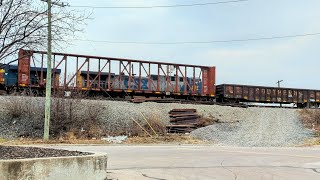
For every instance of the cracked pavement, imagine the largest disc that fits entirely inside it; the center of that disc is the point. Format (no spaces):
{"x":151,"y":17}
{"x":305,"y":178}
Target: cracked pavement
{"x":208,"y":162}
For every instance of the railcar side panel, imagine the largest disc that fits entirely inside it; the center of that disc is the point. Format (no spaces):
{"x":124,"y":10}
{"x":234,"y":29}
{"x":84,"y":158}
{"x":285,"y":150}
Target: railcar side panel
{"x":268,"y":94}
{"x":2,"y":72}
{"x":23,"y":69}
{"x":317,"y":96}
{"x":244,"y":93}
{"x":251,"y":94}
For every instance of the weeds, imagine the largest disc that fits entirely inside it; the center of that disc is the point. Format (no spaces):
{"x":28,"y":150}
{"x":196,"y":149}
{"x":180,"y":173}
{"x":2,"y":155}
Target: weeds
{"x":70,"y":117}
{"x":150,"y":124}
{"x":311,"y":119}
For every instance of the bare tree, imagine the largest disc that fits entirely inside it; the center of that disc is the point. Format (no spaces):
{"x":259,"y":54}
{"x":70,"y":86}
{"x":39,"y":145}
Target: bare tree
{"x":23,"y":24}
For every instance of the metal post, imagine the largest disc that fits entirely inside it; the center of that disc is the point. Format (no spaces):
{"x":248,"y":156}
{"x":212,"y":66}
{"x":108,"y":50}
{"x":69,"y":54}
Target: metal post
{"x":48,"y":79}
{"x":278,"y":82}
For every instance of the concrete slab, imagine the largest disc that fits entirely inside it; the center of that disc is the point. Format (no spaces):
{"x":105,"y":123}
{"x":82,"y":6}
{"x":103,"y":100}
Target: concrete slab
{"x":208,"y":162}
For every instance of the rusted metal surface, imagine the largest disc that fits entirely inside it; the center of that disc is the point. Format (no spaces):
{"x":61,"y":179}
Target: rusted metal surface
{"x":118,"y":75}
{"x":2,"y":71}
{"x":183,"y":120}
{"x":268,"y":94}
{"x":24,"y":68}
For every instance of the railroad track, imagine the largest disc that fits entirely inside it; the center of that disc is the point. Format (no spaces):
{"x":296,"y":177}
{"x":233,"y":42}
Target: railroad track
{"x":182,"y":101}
{"x":240,"y":105}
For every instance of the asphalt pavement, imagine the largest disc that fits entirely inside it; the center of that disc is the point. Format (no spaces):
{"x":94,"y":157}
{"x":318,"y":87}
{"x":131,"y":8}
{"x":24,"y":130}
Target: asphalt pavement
{"x":208,"y":162}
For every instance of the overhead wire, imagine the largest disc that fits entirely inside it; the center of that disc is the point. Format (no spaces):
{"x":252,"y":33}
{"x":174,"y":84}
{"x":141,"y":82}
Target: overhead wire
{"x":201,"y":42}
{"x":159,"y":6}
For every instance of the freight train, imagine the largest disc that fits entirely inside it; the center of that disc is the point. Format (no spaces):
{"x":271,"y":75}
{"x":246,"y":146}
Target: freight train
{"x":116,"y":77}
{"x":113,"y":77}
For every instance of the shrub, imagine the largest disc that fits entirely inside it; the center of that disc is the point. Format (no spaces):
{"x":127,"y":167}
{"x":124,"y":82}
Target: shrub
{"x":311,"y":118}
{"x":68,"y":115}
{"x":154,"y":121}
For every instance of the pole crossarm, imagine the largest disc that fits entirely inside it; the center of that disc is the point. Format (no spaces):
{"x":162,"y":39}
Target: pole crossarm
{"x":61,"y":4}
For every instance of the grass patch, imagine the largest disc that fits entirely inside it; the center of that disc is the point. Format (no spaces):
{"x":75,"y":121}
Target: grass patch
{"x":311,"y":119}
{"x":3,"y":140}
{"x":71,"y":118}
{"x":165,"y":139}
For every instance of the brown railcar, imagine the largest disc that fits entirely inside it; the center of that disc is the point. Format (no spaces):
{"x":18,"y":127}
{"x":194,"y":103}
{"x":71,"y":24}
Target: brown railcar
{"x":263,"y":94}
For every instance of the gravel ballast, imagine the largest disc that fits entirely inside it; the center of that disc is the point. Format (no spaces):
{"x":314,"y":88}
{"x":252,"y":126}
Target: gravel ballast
{"x":236,"y":127}
{"x":15,"y":152}
{"x":264,"y":127}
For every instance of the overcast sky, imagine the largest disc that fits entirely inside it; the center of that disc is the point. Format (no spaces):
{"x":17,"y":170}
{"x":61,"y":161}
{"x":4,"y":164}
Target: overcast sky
{"x":294,"y":60}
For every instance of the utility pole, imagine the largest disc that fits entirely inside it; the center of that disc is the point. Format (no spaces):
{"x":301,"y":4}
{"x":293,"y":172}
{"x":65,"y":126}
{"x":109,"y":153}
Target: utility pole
{"x":278,"y":82}
{"x":49,"y":73}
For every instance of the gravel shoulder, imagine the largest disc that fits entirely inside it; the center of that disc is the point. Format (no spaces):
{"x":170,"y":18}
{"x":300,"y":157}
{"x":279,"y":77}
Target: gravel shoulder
{"x":264,"y":127}
{"x":237,"y":126}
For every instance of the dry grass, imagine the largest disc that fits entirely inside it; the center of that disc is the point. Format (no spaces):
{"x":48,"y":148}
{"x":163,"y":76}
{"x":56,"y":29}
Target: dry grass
{"x":30,"y":141}
{"x":76,"y":118}
{"x":311,"y":119}
{"x":152,"y":124}
{"x":206,"y":121}
{"x":3,"y":140}
{"x":166,"y":139}
{"x":24,"y":107}
{"x":70,"y":117}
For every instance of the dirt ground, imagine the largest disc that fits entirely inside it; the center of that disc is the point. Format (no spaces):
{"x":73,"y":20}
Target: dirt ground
{"x":15,"y":152}
{"x":167,"y":139}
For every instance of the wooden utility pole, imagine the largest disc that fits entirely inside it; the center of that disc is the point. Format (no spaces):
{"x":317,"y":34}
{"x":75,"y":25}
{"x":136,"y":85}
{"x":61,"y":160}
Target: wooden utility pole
{"x":49,"y":73}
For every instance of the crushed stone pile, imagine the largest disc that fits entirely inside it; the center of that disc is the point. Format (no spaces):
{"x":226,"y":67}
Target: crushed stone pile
{"x":264,"y":127}
{"x":237,"y":126}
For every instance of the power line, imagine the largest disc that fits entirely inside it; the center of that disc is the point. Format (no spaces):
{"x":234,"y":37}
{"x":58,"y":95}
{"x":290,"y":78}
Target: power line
{"x":200,"y":42}
{"x":161,"y":6}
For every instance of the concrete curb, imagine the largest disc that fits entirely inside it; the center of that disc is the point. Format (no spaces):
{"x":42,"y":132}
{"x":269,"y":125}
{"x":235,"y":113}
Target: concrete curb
{"x":90,"y":167}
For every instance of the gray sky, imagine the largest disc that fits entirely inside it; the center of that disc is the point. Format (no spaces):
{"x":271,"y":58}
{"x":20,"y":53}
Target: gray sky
{"x":295,"y":60}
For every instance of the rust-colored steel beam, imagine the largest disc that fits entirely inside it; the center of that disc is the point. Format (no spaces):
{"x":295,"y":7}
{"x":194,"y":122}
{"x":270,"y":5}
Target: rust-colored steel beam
{"x":99,"y":80}
{"x":118,"y":59}
{"x":65,"y":72}
{"x":177,"y":90}
{"x":140,"y":77}
{"x":194,"y":81}
{"x":149,"y":78}
{"x":34,"y":64}
{"x":167,"y":79}
{"x":120,"y":73}
{"x":161,"y":73}
{"x":158,"y":81}
{"x":99,"y":75}
{"x":86,"y":61}
{"x":109,"y":76}
{"x":41,"y":74}
{"x":88,"y":73}
{"x":184,"y":80}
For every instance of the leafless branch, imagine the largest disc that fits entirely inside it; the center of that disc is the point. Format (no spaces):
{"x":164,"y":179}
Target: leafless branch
{"x":23,"y":24}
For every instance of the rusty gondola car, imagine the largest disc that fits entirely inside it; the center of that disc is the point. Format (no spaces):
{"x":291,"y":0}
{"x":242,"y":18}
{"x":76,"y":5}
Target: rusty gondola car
{"x":262,"y":94}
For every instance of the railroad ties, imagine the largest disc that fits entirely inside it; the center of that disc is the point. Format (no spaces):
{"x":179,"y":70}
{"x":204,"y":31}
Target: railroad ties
{"x":142,"y":99}
{"x":183,"y":120}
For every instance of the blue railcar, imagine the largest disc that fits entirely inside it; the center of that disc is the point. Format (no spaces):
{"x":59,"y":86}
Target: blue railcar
{"x":10,"y":75}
